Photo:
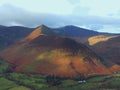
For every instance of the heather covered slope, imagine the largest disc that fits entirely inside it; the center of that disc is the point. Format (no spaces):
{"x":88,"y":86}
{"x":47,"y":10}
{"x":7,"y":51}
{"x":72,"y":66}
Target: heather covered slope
{"x":46,"y":53}
{"x":10,"y":35}
{"x":107,"y":47}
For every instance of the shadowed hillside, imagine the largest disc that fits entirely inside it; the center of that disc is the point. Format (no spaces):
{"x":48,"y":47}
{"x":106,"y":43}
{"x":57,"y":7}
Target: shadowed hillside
{"x":45,"y":53}
{"x":10,"y":35}
{"x":109,"y":49}
{"x":73,"y":31}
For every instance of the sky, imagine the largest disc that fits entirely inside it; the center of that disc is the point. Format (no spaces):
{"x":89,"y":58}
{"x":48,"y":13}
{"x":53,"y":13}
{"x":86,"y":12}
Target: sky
{"x":98,"y":15}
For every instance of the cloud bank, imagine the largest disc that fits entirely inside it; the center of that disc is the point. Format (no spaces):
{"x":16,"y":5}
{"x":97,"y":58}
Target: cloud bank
{"x":12,"y":15}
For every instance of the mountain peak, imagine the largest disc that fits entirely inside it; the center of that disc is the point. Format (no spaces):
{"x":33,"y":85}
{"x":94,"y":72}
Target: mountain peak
{"x":40,"y":30}
{"x":42,"y":26}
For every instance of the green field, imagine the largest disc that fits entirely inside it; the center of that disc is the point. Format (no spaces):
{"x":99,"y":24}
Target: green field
{"x":6,"y":84}
{"x":19,"y":81}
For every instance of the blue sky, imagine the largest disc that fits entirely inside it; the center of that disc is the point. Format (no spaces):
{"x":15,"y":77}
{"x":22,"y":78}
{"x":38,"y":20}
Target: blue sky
{"x":100,"y":15}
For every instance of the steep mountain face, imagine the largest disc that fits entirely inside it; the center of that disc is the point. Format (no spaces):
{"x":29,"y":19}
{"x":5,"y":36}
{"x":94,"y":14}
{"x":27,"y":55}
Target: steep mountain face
{"x":107,"y":47}
{"x":45,"y":53}
{"x":10,"y":35}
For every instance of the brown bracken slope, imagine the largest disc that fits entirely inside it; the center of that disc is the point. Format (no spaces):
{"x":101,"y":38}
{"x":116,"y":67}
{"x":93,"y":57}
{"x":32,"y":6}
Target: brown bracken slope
{"x":45,"y":53}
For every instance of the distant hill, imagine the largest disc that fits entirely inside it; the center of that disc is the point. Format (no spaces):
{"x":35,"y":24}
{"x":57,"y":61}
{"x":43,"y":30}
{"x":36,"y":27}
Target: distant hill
{"x":10,"y":35}
{"x":99,"y":38}
{"x":107,"y":47}
{"x":73,"y":31}
{"x":41,"y":30}
{"x":78,"y":34}
{"x":42,"y":51}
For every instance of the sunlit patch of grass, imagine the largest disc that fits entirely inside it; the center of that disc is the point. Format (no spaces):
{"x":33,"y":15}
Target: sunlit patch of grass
{"x":53,"y":54}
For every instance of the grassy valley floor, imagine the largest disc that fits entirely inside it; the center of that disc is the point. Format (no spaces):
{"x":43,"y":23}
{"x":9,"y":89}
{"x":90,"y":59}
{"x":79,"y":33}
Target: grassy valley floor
{"x":20,"y":81}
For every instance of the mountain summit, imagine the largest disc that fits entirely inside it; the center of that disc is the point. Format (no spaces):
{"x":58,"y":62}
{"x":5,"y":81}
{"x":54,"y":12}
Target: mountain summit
{"x":40,"y":30}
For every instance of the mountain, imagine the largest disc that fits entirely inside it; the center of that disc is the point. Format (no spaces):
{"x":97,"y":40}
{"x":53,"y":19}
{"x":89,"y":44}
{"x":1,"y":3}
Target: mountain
{"x":73,"y":31}
{"x":108,"y":47}
{"x":10,"y":35}
{"x":78,"y":34}
{"x":99,"y":38}
{"x":44,"y":52}
{"x":41,"y":30}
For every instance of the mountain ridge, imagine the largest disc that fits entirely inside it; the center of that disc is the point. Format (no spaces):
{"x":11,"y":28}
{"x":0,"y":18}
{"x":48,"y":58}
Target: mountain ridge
{"x":50,"y":54}
{"x":12,"y":34}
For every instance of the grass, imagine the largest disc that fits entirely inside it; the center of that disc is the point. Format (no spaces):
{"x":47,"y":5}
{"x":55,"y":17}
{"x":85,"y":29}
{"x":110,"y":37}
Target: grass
{"x":67,"y":83}
{"x":30,"y":68}
{"x":38,"y":82}
{"x":19,"y":81}
{"x":6,"y":84}
{"x":113,"y":83}
{"x":35,"y":81}
{"x":89,"y":86}
{"x":3,"y":67}
{"x":20,"y":88}
{"x":97,"y":79}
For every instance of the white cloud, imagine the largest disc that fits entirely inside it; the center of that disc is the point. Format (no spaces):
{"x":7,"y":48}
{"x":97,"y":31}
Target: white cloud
{"x":74,"y":1}
{"x":42,"y":6}
{"x":101,"y":7}
{"x":110,"y":28}
{"x":101,"y":15}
